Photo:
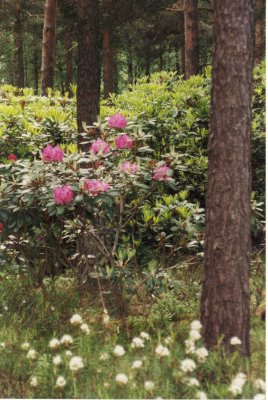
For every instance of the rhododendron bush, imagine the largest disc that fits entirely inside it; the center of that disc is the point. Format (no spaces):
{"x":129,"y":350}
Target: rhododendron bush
{"x":107,"y":208}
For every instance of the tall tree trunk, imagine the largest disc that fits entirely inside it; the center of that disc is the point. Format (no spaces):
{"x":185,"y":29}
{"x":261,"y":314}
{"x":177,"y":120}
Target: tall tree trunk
{"x":109,"y":62}
{"x":225,"y":288}
{"x":148,"y":63}
{"x":259,"y":31}
{"x":49,"y":44}
{"x":69,"y":58}
{"x":191,"y":37}
{"x":18,"y":43}
{"x":161,"y":62}
{"x":88,"y":79}
{"x":36,"y":67}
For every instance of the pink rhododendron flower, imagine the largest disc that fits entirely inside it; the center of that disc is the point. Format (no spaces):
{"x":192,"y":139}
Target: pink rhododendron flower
{"x":162,"y":173}
{"x":51,"y":153}
{"x":63,"y":194}
{"x":100,"y":146}
{"x":117,"y":121}
{"x":128,"y":167}
{"x":123,"y":142}
{"x":95,"y":186}
{"x":12,"y":157}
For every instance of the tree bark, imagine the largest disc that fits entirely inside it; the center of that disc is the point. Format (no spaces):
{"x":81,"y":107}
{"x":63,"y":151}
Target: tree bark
{"x":36,"y":65}
{"x":191,"y":37}
{"x":18,"y":43}
{"x":225,"y":287}
{"x":259,"y":31}
{"x":88,"y":79}
{"x":49,"y":45}
{"x":69,"y":58}
{"x":109,"y":62}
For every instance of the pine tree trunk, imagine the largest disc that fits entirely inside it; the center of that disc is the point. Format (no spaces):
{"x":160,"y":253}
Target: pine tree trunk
{"x":49,"y":44}
{"x":69,"y":58}
{"x":36,"y":67}
{"x":225,"y":288}
{"x":88,"y":79}
{"x":191,"y":37}
{"x":108,"y":62}
{"x":259,"y":31}
{"x":18,"y":44}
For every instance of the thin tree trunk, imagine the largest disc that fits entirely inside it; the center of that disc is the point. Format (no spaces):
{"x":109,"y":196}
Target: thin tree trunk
{"x":161,"y":62}
{"x":148,"y":63}
{"x":191,"y":37}
{"x":69,"y":58}
{"x":225,"y":291}
{"x":36,"y":67}
{"x":88,"y":79}
{"x":259,"y":32}
{"x":18,"y":43}
{"x":49,"y":45}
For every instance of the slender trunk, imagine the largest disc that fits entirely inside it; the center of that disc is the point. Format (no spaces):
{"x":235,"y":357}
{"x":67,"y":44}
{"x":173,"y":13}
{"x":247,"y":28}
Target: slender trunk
{"x":176,"y":49}
{"x":225,"y":291}
{"x":108,"y":62}
{"x":183,"y":59}
{"x":69,"y":59}
{"x":148,"y":63}
{"x":36,"y":67}
{"x":161,"y":62}
{"x":18,"y":44}
{"x":191,"y":37}
{"x":130,"y":69}
{"x":88,"y":79}
{"x":49,"y":44}
{"x":259,"y":31}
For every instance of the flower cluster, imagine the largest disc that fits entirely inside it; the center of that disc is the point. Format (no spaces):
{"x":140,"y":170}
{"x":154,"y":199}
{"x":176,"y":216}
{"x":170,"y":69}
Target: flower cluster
{"x":237,"y":384}
{"x":128,"y":168}
{"x":95,"y":186}
{"x":123,"y":142}
{"x":99,"y":146}
{"x":162,"y":173}
{"x":63,"y":194}
{"x":52,"y":154}
{"x":117,"y":121}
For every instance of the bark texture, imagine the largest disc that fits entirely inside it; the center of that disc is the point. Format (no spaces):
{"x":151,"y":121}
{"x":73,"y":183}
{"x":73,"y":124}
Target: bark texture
{"x":88,"y":79}
{"x":225,"y":291}
{"x":18,"y":43}
{"x":48,"y":46}
{"x":191,"y":37}
{"x":259,"y":31}
{"x":69,"y":58}
{"x":109,"y":62}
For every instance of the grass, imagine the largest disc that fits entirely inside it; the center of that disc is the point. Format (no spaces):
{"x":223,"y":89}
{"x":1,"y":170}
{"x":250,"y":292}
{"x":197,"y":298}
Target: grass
{"x":29,"y":316}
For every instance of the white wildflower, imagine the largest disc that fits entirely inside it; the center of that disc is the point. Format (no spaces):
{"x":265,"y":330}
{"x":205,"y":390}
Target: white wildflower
{"x":192,"y":382}
{"x":34,"y":381}
{"x":201,"y":354}
{"x":235,"y":341}
{"x":54,"y":343}
{"x":201,"y":395}
{"x":145,"y":335}
{"x":136,"y":364}
{"x":3,"y":344}
{"x":76,"y":363}
{"x":190,"y":346}
{"x":106,"y":384}
{"x":194,"y":335}
{"x":168,"y":340}
{"x":237,"y":384}
{"x":68,"y":353}
{"x":259,"y":384}
{"x":104,"y":356}
{"x":188,"y":365}
{"x":137,"y":343}
{"x":119,"y":351}
{"x":60,"y":382}
{"x":25,"y":346}
{"x":121,"y":379}
{"x":57,"y":360}
{"x":85,"y":328}
{"x":162,"y":351}
{"x":259,"y":396}
{"x":105,"y":318}
{"x":66,"y":340}
{"x":31,"y":355}
{"x":76,"y":319}
{"x":149,"y":386}
{"x":196,"y":325}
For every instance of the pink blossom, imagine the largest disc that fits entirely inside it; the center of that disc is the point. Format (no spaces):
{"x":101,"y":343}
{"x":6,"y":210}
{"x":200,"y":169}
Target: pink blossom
{"x":12,"y":157}
{"x":117,"y":121}
{"x":51,"y":153}
{"x":63,"y":194}
{"x":128,"y":167}
{"x":95,"y":186}
{"x":162,"y":173}
{"x":123,"y":142}
{"x":100,"y":145}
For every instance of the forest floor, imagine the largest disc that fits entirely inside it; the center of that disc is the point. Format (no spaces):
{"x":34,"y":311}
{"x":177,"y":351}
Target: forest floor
{"x":30,"y":318}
